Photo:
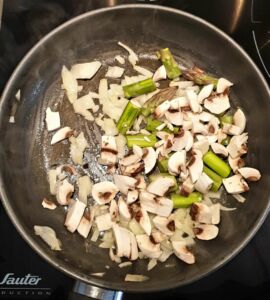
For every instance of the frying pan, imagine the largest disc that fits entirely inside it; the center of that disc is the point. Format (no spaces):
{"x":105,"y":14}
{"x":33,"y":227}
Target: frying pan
{"x":25,"y":154}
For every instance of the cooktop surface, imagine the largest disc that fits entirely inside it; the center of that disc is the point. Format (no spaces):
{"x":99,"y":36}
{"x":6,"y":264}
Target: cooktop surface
{"x":24,"y":22}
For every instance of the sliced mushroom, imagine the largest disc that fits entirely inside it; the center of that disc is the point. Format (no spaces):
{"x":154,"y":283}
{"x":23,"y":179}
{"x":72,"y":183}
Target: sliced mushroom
{"x":201,"y":213}
{"x":120,"y":143}
{"x":123,"y":209}
{"x":134,"y":254}
{"x":193,"y":101}
{"x":134,"y":169}
{"x":206,"y":232}
{"x":85,"y":226}
{"x":149,"y":158}
{"x":182,"y":252}
{"x":236,"y":163}
{"x":205,"y":92}
{"x":250,"y":174}
{"x":48,"y":235}
{"x":160,"y":185}
{"x":108,"y":150}
{"x":160,"y":74}
{"x":74,"y":215}
{"x":164,"y":225}
{"x":124,"y":183}
{"x":213,"y":126}
{"x":103,"y":192}
{"x":187,"y":187}
{"x":176,"y":162}
{"x":205,"y":116}
{"x":104,"y":222}
{"x":239,"y":120}
{"x":174,"y":117}
{"x":61,"y":135}
{"x":219,"y":149}
{"x":217,"y":104}
{"x":48,"y":204}
{"x":198,"y":127}
{"x":182,"y":140}
{"x":202,"y":145}
{"x":161,"y":109}
{"x":158,"y":236}
{"x":132,"y":196}
{"x":223,"y":84}
{"x":85,"y":188}
{"x":132,"y":158}
{"x":148,"y":248}
{"x":231,"y":129}
{"x":52,"y":119}
{"x":161,"y":206}
{"x":235,"y":184}
{"x":195,"y":167}
{"x":64,"y":192}
{"x":203,"y":184}
{"x":140,"y":182}
{"x":114,"y":212}
{"x":215,"y":210}
{"x":237,"y":145}
{"x":122,"y":239}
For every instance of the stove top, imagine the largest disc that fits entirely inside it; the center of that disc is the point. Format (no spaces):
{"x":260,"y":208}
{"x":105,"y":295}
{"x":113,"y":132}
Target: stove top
{"x":24,"y":22}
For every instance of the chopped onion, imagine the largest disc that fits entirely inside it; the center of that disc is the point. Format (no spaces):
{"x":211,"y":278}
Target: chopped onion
{"x":52,"y":181}
{"x":77,"y":147}
{"x":115,"y":72}
{"x":101,"y":274}
{"x":49,"y":236}
{"x":95,"y":235}
{"x":224,"y":208}
{"x":18,"y":95}
{"x":85,"y":188}
{"x":239,"y":198}
{"x":120,"y":59}
{"x":152,"y":263}
{"x":11,"y":119}
{"x":133,"y":58}
{"x":109,"y":127}
{"x":214,"y":195}
{"x":69,"y":84}
{"x":85,"y":70}
{"x":125,"y":264}
{"x":82,"y":105}
{"x":143,"y":71}
{"x":129,"y":80}
{"x":121,"y":144}
{"x":136,"y":278}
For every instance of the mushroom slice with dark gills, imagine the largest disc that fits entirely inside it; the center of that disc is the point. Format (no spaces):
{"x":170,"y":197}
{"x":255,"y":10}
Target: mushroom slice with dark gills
{"x":165,"y":225}
{"x":205,"y":231}
{"x":103,"y":192}
{"x":74,"y":215}
{"x":161,"y":206}
{"x":61,"y":134}
{"x":250,"y":174}
{"x":176,"y":162}
{"x":124,"y":183}
{"x":160,"y":186}
{"x":195,"y":166}
{"x":141,"y":216}
{"x":147,"y":247}
{"x":235,"y":184}
{"x":64,"y":192}
{"x":108,"y":150}
{"x":182,"y":252}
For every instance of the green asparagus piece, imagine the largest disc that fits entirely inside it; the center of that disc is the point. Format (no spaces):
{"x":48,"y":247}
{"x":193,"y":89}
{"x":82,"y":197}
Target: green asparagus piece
{"x":217,"y":180}
{"x":139,"y":88}
{"x":141,"y":140}
{"x":180,"y":201}
{"x":157,"y":99}
{"x":199,"y":76}
{"x":217,"y":164}
{"x":174,"y":188}
{"x":128,"y":117}
{"x":162,"y":164}
{"x":172,"y":68}
{"x":226,"y":119}
{"x":226,"y":141}
{"x":152,"y":125}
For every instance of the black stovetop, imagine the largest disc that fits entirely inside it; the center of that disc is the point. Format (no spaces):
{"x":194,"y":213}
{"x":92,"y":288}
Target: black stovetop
{"x":24,"y":22}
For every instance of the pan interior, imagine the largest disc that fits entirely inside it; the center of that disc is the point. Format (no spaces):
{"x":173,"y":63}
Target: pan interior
{"x":26,"y":155}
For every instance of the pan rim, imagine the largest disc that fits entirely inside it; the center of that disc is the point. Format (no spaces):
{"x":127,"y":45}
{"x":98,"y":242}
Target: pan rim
{"x":31,"y":241}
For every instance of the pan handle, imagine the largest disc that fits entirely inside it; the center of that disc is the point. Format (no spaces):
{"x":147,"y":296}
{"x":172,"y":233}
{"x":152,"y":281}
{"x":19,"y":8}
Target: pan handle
{"x":83,"y":291}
